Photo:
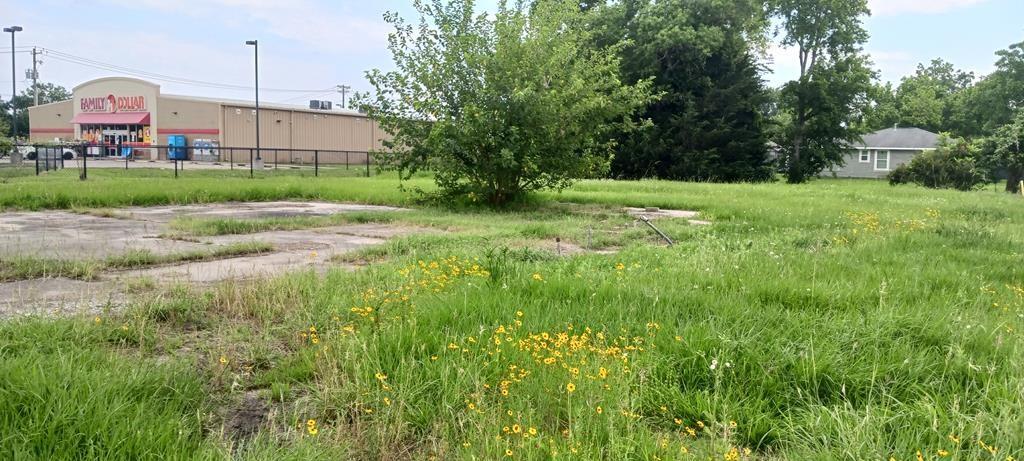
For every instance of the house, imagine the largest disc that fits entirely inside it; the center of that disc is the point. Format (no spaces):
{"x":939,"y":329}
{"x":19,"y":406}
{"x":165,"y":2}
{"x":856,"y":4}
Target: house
{"x":884,"y":150}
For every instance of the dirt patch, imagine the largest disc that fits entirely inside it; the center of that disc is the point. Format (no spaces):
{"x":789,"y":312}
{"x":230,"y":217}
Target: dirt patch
{"x":566,"y":248}
{"x":245,"y":419}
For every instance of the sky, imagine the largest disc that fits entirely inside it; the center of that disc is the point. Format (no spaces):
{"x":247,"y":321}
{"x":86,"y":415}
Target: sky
{"x":308,"y":47}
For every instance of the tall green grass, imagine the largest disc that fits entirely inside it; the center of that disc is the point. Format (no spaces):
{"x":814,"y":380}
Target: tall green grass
{"x":64,"y":394}
{"x":835,"y":320}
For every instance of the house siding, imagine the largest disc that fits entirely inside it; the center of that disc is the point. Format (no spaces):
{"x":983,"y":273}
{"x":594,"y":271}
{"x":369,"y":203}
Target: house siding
{"x":853,"y":168}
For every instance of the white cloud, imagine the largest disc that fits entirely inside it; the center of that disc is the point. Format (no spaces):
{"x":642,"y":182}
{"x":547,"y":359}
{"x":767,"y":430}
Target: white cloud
{"x":894,"y":7}
{"x":303,"y":44}
{"x":303,"y":21}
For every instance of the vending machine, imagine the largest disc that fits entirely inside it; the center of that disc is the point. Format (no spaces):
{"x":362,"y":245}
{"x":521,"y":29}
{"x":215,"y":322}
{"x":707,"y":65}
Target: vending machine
{"x":205,"y":150}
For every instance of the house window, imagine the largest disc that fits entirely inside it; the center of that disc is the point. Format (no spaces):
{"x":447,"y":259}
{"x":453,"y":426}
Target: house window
{"x":882,"y":160}
{"x":865,"y":156}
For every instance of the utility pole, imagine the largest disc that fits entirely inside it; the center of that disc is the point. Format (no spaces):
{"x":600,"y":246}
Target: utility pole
{"x":343,"y":89}
{"x":35,"y":76}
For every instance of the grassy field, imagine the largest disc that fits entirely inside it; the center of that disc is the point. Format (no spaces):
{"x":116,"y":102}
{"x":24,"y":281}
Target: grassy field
{"x":152,"y":186}
{"x":833,"y":320}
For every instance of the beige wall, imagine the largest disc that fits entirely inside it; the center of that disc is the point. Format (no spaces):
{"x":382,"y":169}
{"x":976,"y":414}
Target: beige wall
{"x":332,"y":132}
{"x":194,"y":119}
{"x":299,"y":129}
{"x":50,"y":121}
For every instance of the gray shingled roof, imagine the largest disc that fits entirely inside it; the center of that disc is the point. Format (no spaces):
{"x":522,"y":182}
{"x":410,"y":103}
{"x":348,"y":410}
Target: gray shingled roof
{"x":900,"y":138}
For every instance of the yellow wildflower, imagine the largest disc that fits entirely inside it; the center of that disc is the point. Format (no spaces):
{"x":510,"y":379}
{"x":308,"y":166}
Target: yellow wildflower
{"x":570,"y":387}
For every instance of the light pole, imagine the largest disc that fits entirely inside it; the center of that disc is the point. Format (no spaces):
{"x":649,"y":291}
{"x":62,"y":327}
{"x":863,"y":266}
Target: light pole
{"x":14,"y":109}
{"x":256,"y":61}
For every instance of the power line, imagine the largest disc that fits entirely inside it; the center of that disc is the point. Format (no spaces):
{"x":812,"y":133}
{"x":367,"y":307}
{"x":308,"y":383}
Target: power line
{"x":82,"y":61}
{"x":306,"y":95}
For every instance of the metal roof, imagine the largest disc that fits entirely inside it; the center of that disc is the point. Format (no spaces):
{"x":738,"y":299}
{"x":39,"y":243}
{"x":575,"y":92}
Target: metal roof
{"x":263,"y":105}
{"x":900,"y":138}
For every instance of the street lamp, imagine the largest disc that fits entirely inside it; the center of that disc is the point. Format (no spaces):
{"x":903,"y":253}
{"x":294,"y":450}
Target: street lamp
{"x":256,"y":60}
{"x":14,"y":109}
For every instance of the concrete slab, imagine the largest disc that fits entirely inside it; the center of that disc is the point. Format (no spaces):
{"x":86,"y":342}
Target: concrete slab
{"x":655,"y":213}
{"x":230,"y":269}
{"x":58,"y":296}
{"x":249,"y":210}
{"x":63,"y":235}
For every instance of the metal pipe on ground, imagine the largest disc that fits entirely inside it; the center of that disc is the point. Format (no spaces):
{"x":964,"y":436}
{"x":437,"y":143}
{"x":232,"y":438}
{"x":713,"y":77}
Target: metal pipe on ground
{"x":647,"y":221}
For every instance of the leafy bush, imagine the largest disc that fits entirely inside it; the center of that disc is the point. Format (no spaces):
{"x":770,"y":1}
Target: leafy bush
{"x":498,"y":106}
{"x":953,"y":165}
{"x":1002,"y":152}
{"x":6,"y":145}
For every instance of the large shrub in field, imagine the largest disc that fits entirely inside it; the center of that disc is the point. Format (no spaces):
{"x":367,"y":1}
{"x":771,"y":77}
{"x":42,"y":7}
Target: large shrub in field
{"x":497,"y":106}
{"x":1004,"y":150}
{"x":953,"y":165}
{"x":6,"y":145}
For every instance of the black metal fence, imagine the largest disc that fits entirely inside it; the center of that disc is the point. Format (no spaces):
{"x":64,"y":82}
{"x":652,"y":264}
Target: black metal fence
{"x":211,"y":161}
{"x":27,"y":160}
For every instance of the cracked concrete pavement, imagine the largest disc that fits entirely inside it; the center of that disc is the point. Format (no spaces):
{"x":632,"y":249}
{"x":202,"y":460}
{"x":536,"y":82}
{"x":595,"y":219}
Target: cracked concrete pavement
{"x":66,"y":235}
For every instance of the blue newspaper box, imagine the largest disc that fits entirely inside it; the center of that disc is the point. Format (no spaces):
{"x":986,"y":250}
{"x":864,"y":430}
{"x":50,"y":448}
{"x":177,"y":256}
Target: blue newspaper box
{"x":176,"y":147}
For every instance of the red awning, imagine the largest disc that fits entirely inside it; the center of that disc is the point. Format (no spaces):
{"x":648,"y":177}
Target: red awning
{"x":123,"y":118}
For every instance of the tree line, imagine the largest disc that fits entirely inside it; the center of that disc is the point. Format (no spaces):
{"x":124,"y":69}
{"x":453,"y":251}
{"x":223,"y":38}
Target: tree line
{"x":48,"y":92}
{"x":544,"y":92}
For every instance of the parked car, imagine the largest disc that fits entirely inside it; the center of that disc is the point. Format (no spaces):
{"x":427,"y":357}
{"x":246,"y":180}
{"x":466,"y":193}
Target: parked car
{"x":29,"y":152}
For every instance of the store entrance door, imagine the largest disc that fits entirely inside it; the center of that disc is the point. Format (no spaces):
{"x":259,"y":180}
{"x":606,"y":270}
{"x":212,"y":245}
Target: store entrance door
{"x":113,"y":137}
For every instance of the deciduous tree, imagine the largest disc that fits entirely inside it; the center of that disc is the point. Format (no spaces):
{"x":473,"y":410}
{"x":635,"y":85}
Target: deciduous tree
{"x":830,"y":93}
{"x":497,"y":106}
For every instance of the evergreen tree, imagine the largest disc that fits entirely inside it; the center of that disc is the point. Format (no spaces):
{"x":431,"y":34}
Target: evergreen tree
{"x":707,"y":124}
